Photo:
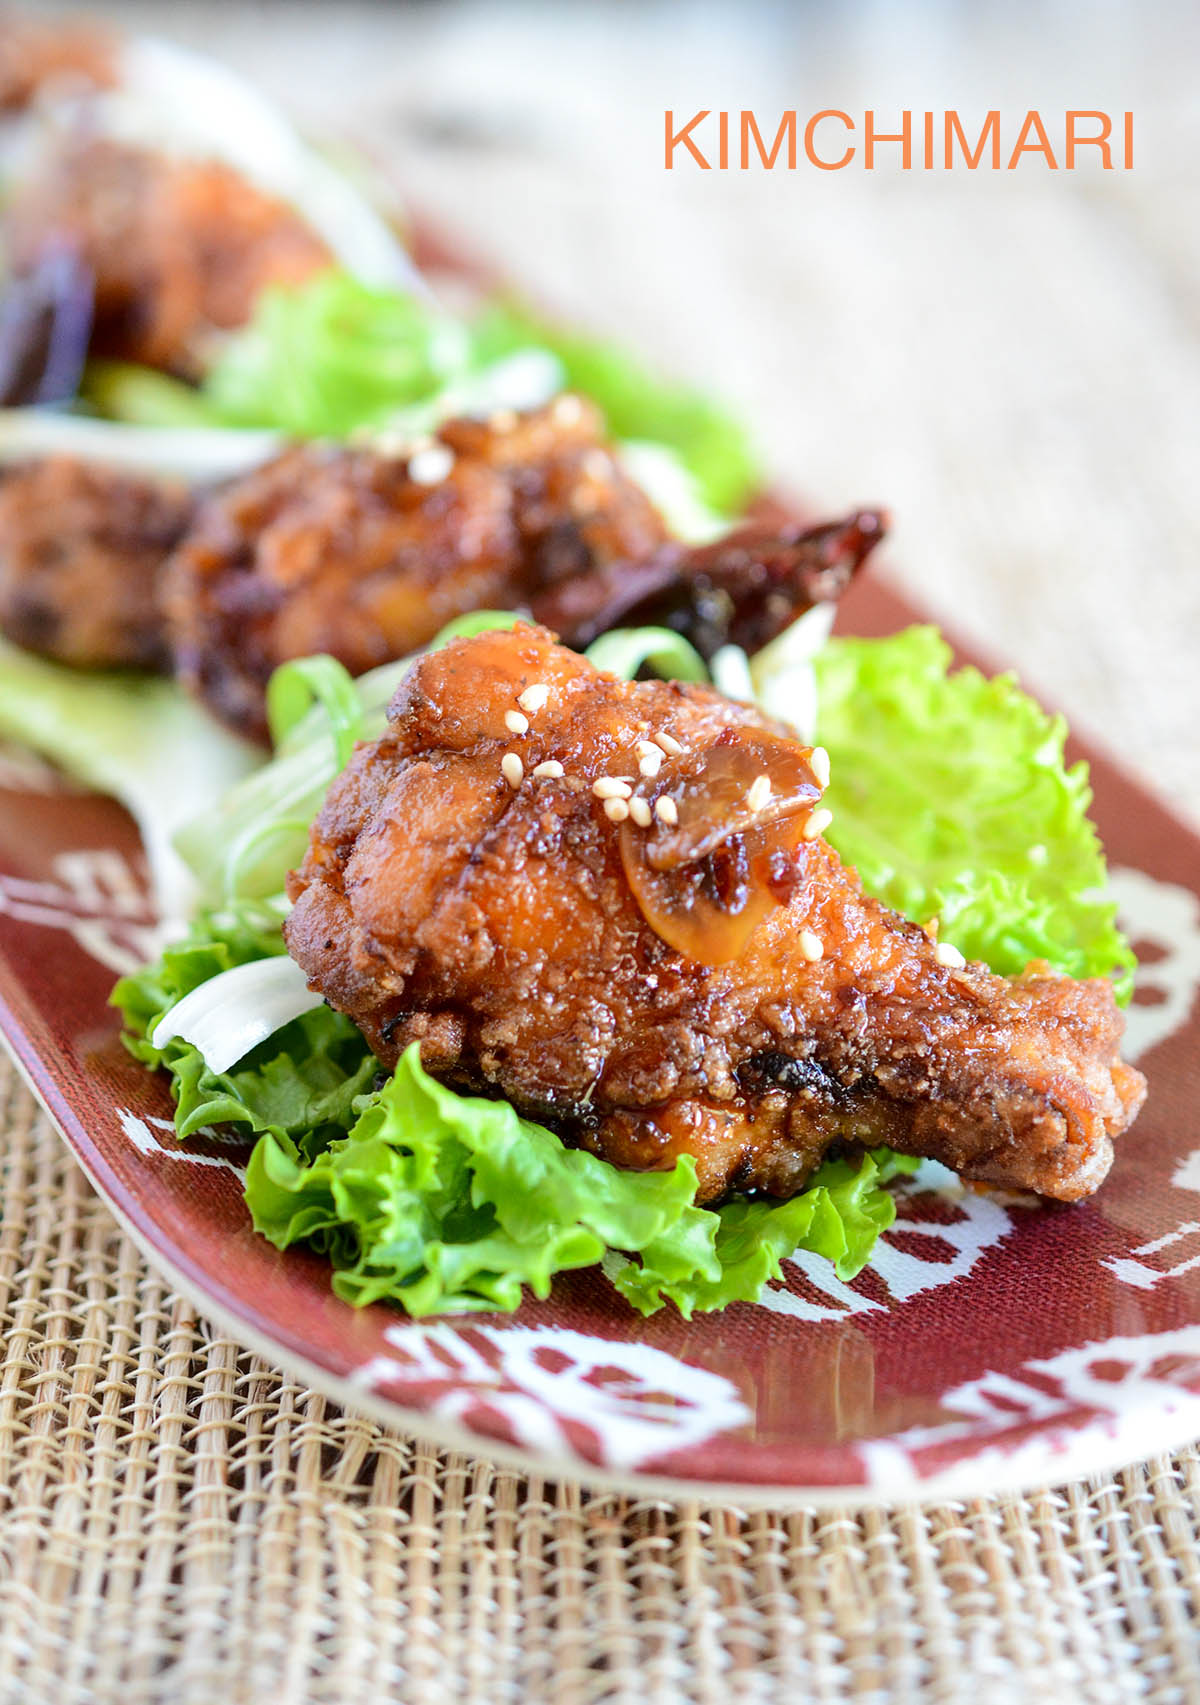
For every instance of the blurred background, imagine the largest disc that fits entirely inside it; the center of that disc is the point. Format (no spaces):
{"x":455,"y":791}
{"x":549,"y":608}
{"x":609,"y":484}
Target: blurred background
{"x":1009,"y":361}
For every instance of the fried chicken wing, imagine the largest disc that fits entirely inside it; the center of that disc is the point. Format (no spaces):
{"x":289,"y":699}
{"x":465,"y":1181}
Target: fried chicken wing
{"x":81,"y":550}
{"x":626,"y":921}
{"x":176,"y":248}
{"x":35,"y":56}
{"x":365,"y":556}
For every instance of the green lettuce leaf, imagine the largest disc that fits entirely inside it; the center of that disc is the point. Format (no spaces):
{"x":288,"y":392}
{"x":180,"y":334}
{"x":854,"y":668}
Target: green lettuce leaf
{"x":952,"y":799}
{"x":839,"y":1216}
{"x":300,"y":1085}
{"x":332,"y":356}
{"x":446,"y":1203}
{"x":623,"y":651}
{"x":141,"y":738}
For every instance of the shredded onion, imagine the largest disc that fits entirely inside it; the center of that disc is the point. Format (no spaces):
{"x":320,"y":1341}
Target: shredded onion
{"x":193,"y":453}
{"x":236,"y":1010}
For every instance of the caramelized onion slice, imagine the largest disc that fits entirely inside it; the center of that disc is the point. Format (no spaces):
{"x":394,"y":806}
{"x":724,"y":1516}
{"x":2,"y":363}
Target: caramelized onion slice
{"x":708,"y":909}
{"x":715,"y":797}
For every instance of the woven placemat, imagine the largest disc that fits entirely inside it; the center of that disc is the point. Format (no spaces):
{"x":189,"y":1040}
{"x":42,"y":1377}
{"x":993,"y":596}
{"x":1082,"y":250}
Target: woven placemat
{"x":179,"y":1521}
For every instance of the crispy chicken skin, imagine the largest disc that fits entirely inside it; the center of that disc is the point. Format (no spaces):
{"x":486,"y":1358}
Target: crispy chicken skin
{"x":177,"y":249}
{"x":364,"y":555}
{"x":81,"y":551}
{"x":714,"y":983}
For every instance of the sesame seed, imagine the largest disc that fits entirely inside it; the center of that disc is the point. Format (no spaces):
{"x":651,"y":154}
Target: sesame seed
{"x":503,"y":420}
{"x":650,"y":762}
{"x":512,"y":769}
{"x":534,"y":697}
{"x":611,"y":787}
{"x":759,"y":794}
{"x":639,"y":810}
{"x":947,"y":955}
{"x":616,"y":810}
{"x":666,"y":811}
{"x":567,"y":410}
{"x":818,"y":763}
{"x":393,"y":446}
{"x":811,"y":946}
{"x":596,"y":465}
{"x":551,"y":767}
{"x":431,"y":466}
{"x":515,"y":722}
{"x":669,"y":744}
{"x":818,"y":822}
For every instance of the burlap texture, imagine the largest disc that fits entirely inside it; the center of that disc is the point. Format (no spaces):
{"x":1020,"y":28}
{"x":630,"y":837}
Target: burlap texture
{"x":179,"y":1522}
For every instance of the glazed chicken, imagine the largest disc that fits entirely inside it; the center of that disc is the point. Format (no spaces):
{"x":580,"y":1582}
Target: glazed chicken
{"x":612,"y":904}
{"x":81,"y":553}
{"x":363,"y":555}
{"x":175,"y":249}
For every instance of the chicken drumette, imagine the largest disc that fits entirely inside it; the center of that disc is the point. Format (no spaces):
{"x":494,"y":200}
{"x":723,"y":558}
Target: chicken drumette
{"x":174,"y":249}
{"x":364,"y":555}
{"x":81,"y":552}
{"x":624,"y":918}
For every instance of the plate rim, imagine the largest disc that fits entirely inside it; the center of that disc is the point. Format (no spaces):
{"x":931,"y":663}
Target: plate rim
{"x":1094,"y":1451}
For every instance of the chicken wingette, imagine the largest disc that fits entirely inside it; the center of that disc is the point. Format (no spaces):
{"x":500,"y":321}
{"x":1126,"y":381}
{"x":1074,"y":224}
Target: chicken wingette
{"x":612,"y":904}
{"x":364,"y":555}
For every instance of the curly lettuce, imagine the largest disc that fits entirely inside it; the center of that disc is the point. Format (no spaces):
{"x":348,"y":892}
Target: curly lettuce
{"x":447,"y":1203}
{"x":952,"y":798}
{"x":299,"y":1087}
{"x":334,"y":356}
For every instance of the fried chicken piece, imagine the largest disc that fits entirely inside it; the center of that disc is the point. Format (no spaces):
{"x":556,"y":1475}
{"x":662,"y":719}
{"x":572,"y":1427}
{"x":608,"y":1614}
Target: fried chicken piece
{"x":72,"y":53}
{"x":365,"y":556}
{"x":689,"y":969}
{"x":342,"y":549}
{"x":81,"y":550}
{"x":177,"y":248}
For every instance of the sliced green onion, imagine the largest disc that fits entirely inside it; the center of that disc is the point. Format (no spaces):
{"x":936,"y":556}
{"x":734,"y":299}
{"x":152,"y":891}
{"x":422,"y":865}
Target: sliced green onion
{"x":296,"y":686}
{"x":142,"y":396}
{"x":242,"y":847}
{"x":476,"y":621}
{"x":624,"y":651}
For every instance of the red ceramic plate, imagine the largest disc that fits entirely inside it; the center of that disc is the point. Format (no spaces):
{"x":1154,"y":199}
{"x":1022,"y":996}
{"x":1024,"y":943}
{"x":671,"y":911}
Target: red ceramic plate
{"x":989,"y":1344}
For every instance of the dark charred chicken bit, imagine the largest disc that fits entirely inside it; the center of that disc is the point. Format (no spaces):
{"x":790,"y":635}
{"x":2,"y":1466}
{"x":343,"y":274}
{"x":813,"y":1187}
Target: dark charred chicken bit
{"x":346,"y":550}
{"x":741,"y":590}
{"x":612,"y":904}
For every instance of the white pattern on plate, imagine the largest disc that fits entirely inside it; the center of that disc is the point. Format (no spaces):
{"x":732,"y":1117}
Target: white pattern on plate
{"x":979,"y":1223}
{"x":98,"y":897}
{"x":1168,"y":916}
{"x":141,"y":1135}
{"x":635,"y":1401}
{"x":1100,"y":1393}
